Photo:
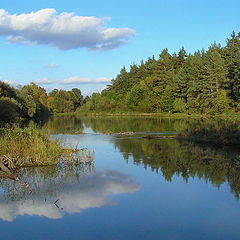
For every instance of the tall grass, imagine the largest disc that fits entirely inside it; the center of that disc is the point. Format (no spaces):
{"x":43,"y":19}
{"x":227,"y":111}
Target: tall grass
{"x":32,"y":147}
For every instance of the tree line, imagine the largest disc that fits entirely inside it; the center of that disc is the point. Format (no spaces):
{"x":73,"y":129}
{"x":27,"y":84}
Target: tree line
{"x":207,"y":81}
{"x":33,"y":102}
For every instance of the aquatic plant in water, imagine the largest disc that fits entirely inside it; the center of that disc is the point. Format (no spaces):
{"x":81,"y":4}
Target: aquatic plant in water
{"x":32,"y":147}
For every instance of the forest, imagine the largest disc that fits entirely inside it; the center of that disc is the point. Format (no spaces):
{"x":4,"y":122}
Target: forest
{"x":32,"y":102}
{"x":205,"y":82}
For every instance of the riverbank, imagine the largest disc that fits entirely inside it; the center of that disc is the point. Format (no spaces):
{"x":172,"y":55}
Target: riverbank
{"x":232,"y":116}
{"x":134,"y":114}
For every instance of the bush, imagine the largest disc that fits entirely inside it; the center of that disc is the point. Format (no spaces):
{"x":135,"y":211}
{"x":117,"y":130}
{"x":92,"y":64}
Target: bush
{"x":9,"y":111}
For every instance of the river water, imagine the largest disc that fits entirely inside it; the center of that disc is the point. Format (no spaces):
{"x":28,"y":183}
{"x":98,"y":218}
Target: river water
{"x":139,"y":186}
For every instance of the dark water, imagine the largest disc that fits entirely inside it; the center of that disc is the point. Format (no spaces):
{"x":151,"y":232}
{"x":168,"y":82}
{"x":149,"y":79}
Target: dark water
{"x":138,"y":187}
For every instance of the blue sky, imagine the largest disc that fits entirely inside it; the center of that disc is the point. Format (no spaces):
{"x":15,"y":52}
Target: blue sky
{"x":41,"y":48}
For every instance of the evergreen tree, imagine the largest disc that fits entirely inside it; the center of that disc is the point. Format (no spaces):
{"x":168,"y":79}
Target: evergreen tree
{"x":232,"y":55}
{"x":200,"y":82}
{"x":167,"y":99}
{"x":222,"y":102}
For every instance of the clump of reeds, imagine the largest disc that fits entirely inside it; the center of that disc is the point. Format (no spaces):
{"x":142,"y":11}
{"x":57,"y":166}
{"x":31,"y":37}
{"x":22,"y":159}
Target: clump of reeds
{"x":29,"y":146}
{"x":33,"y":147}
{"x":224,"y":133}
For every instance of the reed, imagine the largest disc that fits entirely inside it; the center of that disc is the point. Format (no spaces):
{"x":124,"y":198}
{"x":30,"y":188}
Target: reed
{"x":33,"y":147}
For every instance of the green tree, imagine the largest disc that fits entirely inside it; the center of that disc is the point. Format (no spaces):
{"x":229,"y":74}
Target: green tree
{"x":134,"y":97}
{"x":222,"y":102}
{"x":215,"y":78}
{"x":232,"y":56}
{"x":9,"y":111}
{"x":29,"y":106}
{"x":180,"y":105}
{"x":167,"y":99}
{"x":76,"y":97}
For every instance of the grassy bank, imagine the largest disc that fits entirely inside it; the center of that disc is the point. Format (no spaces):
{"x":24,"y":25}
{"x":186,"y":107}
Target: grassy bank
{"x":64,"y":114}
{"x":136,"y":114}
{"x":32,"y":147}
{"x":233,"y":116}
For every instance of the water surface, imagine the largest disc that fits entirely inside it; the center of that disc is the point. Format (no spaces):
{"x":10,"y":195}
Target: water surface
{"x":138,"y":187}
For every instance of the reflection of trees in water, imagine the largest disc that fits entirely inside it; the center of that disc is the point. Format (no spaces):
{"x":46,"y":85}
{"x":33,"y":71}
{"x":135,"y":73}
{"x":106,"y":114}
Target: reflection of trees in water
{"x":64,"y":124}
{"x":132,"y":124}
{"x":113,"y":124}
{"x":168,"y":156}
{"x":44,"y":181}
{"x":117,"y":124}
{"x":184,"y":159}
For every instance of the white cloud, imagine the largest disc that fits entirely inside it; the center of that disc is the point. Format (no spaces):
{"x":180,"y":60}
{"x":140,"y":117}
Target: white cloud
{"x":52,"y":65}
{"x":77,"y":79}
{"x":10,"y":82}
{"x":64,"y":31}
{"x":45,"y":81}
{"x":73,"y":81}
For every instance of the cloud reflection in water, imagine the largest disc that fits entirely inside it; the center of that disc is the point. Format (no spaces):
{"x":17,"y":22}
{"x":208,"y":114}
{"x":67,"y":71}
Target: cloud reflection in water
{"x":75,"y":195}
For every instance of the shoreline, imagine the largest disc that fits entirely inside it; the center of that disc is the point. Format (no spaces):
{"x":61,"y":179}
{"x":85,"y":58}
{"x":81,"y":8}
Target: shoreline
{"x":229,"y":116}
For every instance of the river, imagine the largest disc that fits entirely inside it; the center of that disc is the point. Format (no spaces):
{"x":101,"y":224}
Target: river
{"x":138,"y":186}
